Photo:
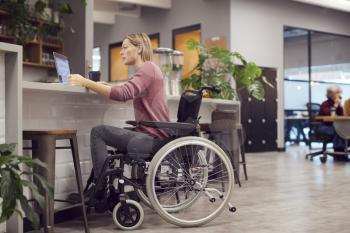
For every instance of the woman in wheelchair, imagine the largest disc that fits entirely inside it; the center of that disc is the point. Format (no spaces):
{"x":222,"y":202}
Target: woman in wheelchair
{"x":173,"y":171}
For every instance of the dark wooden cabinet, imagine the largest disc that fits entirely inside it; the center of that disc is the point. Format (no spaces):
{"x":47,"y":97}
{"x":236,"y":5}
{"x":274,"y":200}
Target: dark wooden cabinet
{"x":259,"y":117}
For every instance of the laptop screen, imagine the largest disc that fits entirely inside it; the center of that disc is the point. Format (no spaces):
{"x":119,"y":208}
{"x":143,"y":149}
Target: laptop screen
{"x":62,"y":67}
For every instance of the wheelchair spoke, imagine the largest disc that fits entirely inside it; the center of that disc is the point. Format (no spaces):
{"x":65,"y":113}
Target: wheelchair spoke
{"x":179,"y":166}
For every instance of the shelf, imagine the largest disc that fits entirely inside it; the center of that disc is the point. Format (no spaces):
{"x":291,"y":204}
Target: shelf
{"x":32,"y":43}
{"x":38,"y":65}
{"x":50,"y":45}
{"x":4,"y":13}
{"x":6,"y":37}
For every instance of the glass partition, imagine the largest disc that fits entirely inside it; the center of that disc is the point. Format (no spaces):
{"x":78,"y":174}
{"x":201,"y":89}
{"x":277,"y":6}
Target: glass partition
{"x":312,"y":62}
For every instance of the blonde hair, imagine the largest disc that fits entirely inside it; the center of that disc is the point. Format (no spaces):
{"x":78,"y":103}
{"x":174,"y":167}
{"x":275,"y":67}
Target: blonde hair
{"x":142,"y":41}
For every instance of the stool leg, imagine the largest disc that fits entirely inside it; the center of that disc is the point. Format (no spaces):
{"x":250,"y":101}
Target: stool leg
{"x":45,"y":151}
{"x":243,"y":162}
{"x":74,"y":146}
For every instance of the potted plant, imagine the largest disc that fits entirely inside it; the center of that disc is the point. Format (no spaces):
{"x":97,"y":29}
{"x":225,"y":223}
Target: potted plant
{"x":22,"y":28}
{"x":13,"y":180}
{"x":216,"y":67}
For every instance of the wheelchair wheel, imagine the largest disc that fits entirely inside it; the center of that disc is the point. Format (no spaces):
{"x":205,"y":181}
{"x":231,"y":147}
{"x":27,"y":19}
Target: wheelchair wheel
{"x":142,"y":193}
{"x":128,"y":216}
{"x":190,"y":181}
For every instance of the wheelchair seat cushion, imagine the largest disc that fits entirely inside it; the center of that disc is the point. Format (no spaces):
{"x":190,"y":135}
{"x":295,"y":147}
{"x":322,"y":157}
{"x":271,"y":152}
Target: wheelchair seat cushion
{"x":148,"y":156}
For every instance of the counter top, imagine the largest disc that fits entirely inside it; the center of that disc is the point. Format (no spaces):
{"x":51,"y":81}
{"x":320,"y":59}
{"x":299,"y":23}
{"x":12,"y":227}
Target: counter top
{"x":6,"y":47}
{"x":59,"y":87}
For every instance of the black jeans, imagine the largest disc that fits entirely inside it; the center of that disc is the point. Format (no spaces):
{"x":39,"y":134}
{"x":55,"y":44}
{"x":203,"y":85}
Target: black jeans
{"x":124,"y":140}
{"x":338,"y":142}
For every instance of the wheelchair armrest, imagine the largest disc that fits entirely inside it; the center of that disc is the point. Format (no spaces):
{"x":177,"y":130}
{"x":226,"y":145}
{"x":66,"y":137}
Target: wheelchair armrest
{"x":164,"y":125}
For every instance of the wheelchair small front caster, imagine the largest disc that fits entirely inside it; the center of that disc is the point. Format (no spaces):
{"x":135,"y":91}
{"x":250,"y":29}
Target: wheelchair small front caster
{"x":323,"y":159}
{"x":128,"y":216}
{"x":232,"y":209}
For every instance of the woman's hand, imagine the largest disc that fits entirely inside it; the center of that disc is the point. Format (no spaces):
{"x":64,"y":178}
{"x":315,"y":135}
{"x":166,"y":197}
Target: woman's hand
{"x":337,"y":101}
{"x":77,"y":80}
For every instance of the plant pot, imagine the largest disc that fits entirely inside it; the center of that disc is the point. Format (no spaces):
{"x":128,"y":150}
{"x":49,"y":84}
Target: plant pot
{"x":56,"y":17}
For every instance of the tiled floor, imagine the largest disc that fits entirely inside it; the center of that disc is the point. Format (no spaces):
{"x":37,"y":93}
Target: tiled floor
{"x":285,"y":193}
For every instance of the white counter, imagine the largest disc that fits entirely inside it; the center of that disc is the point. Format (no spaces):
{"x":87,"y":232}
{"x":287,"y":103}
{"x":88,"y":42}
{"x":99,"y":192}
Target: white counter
{"x":11,"y":109}
{"x":59,"y":87}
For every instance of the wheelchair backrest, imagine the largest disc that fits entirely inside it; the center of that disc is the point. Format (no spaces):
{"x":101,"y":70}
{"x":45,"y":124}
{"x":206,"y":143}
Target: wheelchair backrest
{"x":189,"y":105}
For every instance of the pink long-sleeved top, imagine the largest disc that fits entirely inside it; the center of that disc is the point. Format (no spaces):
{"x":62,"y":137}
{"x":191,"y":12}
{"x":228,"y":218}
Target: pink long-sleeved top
{"x":147,"y":91}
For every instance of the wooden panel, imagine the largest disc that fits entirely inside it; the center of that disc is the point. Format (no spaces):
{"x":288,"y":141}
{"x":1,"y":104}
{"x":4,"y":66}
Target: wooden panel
{"x":155,"y":43}
{"x":190,"y":56}
{"x":118,"y":71}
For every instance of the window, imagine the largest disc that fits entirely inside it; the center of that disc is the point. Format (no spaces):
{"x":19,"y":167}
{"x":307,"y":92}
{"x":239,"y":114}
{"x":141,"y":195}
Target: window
{"x":96,"y":59}
{"x":312,"y":62}
{"x":180,"y":37}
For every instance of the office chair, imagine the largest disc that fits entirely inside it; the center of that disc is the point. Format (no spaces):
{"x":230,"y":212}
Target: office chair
{"x":315,"y":136}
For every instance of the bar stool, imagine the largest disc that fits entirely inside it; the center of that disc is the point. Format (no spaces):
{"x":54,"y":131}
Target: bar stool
{"x":223,"y":139}
{"x":241,"y":139}
{"x":44,"y":148}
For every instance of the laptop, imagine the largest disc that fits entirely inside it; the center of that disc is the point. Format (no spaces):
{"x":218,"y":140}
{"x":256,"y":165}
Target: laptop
{"x":62,"y":67}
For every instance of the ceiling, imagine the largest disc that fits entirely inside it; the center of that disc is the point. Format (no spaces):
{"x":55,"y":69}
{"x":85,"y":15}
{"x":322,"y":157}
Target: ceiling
{"x":106,"y":10}
{"x":341,"y":5}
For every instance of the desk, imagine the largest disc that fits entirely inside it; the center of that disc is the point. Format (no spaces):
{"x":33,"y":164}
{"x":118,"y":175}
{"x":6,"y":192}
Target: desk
{"x":331,"y":118}
{"x":299,"y":123}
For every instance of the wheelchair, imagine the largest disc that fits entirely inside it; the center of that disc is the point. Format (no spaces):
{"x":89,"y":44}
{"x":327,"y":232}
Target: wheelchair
{"x":188,"y":180}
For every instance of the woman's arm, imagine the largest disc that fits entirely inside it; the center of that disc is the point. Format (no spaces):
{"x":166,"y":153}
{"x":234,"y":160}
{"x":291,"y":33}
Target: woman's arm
{"x":99,"y":88}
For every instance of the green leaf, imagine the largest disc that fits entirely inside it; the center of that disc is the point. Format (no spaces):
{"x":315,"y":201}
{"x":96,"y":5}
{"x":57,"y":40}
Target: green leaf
{"x":42,"y":181}
{"x":192,"y":44}
{"x":7,"y":183}
{"x":256,"y":90}
{"x":64,"y":7}
{"x":45,"y":184}
{"x":36,"y":195}
{"x":30,"y":162}
{"x":239,"y":57}
{"x":8,"y":191}
{"x":7,"y":149}
{"x":29,"y":212}
{"x":39,"y":7}
{"x":6,"y":160}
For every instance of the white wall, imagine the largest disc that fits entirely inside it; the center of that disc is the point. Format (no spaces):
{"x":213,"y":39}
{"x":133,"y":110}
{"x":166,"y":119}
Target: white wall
{"x":2,"y":98}
{"x":257,"y":32}
{"x":2,"y":112}
{"x":212,"y":15}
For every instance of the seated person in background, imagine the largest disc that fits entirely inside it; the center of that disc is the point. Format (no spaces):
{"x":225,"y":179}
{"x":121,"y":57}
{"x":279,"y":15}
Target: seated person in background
{"x":347,"y":107}
{"x":332,"y":104}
